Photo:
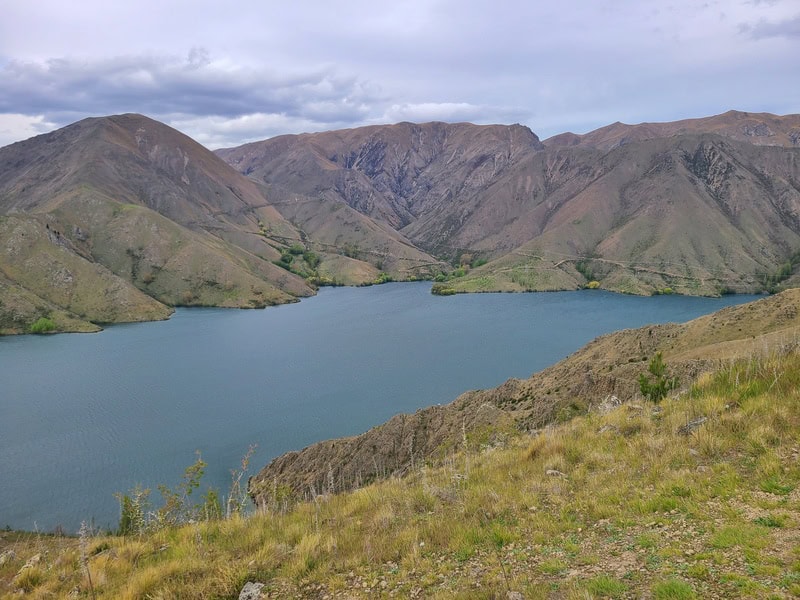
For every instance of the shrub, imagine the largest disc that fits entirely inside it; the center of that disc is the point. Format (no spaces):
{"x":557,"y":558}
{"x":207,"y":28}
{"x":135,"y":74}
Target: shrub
{"x":656,"y":385}
{"x":133,"y":510}
{"x":42,"y":325}
{"x":311,"y":258}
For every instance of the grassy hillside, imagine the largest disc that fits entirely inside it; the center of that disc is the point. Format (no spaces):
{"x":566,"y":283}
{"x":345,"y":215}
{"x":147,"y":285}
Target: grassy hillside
{"x":696,"y":497}
{"x":120,"y":218}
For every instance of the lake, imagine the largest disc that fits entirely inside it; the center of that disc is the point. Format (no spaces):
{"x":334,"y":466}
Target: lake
{"x":83,"y":416}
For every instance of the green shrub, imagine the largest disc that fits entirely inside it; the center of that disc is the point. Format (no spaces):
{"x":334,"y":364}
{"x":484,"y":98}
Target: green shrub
{"x":312,"y":259}
{"x":42,"y":325}
{"x":438,"y":289}
{"x":478,"y":262}
{"x":656,"y":385}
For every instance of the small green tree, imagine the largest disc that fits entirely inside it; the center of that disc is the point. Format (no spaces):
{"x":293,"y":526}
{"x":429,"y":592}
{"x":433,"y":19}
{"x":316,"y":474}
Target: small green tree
{"x":656,"y":385}
{"x":178,"y":508}
{"x":42,"y":325}
{"x":133,"y":511}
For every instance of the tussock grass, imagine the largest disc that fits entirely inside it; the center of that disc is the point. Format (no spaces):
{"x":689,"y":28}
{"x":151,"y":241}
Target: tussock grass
{"x":691,"y":498}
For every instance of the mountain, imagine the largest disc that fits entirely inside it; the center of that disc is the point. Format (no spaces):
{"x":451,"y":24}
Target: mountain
{"x":400,"y":175}
{"x":120,"y":218}
{"x":702,"y":206}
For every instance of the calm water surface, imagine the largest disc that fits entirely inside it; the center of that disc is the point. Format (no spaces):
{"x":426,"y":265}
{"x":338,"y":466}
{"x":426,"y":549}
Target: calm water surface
{"x":85,"y":415}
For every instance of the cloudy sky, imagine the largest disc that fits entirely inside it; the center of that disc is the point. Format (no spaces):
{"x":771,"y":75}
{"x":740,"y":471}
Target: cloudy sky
{"x":230,"y":72}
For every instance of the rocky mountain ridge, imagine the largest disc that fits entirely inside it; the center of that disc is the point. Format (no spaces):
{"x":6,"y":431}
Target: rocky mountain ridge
{"x":701,"y":206}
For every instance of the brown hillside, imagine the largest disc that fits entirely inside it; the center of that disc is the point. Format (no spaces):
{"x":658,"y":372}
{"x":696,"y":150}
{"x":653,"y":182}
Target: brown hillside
{"x":699,"y":206}
{"x":392,"y":173}
{"x":164,"y":213}
{"x":760,"y":129}
{"x":699,"y":214}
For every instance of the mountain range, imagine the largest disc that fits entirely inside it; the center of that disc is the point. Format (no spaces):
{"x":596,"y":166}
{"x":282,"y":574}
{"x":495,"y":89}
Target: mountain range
{"x":701,"y":206}
{"x":121,"y":218}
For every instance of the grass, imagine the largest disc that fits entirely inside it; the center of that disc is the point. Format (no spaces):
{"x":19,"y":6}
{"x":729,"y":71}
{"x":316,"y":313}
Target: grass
{"x":639,"y":510}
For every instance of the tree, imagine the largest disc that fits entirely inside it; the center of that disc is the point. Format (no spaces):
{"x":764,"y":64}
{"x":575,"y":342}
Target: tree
{"x":656,"y":385}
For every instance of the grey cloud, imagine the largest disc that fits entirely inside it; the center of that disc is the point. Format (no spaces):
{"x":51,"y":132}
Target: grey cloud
{"x":787,"y":28}
{"x":158,"y":86}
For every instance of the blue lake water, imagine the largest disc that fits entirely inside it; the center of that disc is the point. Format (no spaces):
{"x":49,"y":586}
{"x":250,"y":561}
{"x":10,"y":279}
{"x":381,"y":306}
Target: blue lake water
{"x":83,"y":416}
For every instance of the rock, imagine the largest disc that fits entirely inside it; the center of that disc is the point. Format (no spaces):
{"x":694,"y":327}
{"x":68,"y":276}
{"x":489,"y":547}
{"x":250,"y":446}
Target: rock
{"x":251,"y":591}
{"x":608,"y":404}
{"x":692,"y":425}
{"x":7,"y":556}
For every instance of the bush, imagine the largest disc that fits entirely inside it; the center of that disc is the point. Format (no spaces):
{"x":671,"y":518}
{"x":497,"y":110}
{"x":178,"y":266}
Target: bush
{"x":311,"y":258}
{"x":656,"y":385}
{"x":438,"y":289}
{"x":43,"y":325}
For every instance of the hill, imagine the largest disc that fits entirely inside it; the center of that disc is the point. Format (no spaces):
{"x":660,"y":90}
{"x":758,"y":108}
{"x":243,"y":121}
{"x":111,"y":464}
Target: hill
{"x":136,"y":218}
{"x":702,"y":206}
{"x":693,"y":497}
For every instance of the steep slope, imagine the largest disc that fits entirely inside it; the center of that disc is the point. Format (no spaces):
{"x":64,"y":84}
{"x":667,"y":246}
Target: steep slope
{"x":700,"y":206}
{"x":43,"y":275}
{"x":153,"y":207}
{"x":604,"y":371}
{"x":699,"y":214}
{"x":354,"y":248}
{"x":394,"y":174}
{"x":696,"y":497}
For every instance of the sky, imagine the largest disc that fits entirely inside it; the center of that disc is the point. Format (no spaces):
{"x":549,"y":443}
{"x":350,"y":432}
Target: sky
{"x":227,"y":73}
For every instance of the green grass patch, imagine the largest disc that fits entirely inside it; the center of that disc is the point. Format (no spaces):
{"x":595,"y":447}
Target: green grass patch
{"x":606,"y":586}
{"x":673,"y":589}
{"x":744,"y":535}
